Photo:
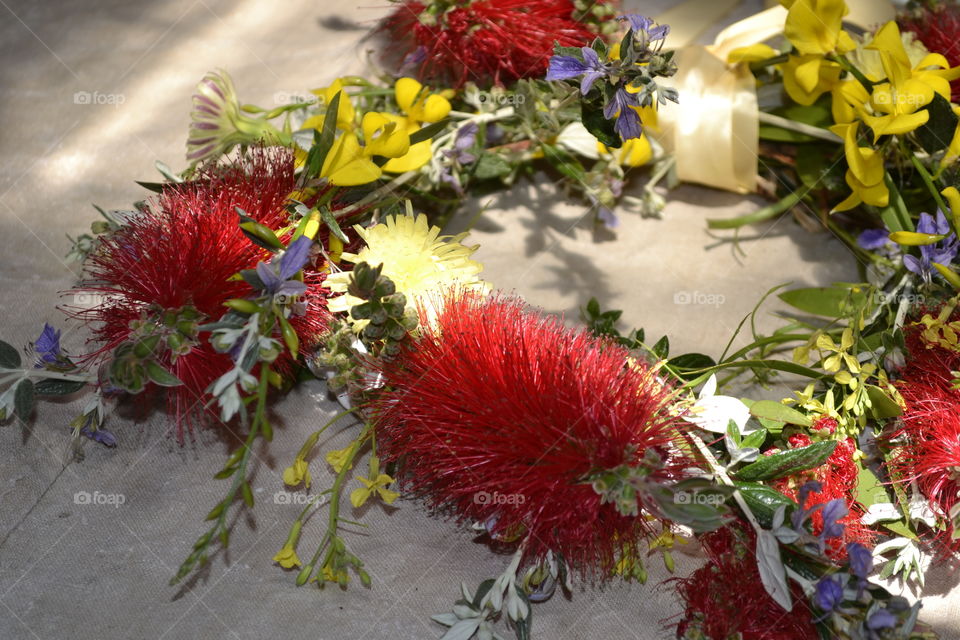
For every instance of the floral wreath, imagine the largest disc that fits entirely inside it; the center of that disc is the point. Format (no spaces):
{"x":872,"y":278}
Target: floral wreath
{"x":293,"y":246}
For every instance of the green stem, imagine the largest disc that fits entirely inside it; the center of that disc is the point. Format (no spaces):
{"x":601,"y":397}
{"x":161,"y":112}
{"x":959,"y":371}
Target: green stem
{"x":928,"y":180}
{"x":332,"y":520}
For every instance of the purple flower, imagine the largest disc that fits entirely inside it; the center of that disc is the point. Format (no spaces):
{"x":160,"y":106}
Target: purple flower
{"x":881,"y":619}
{"x":628,"y":120}
{"x":276,"y":278}
{"x":829,"y":594}
{"x":873,"y":239}
{"x":47,"y":346}
{"x":942,"y":252}
{"x":833,"y":511}
{"x":466,"y":137}
{"x":567,"y":67}
{"x":861,"y":560}
{"x":644,"y":25}
{"x":102,"y":436}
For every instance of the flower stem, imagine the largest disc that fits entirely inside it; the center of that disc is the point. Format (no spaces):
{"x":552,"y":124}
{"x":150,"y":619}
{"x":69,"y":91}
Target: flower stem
{"x":928,"y":180}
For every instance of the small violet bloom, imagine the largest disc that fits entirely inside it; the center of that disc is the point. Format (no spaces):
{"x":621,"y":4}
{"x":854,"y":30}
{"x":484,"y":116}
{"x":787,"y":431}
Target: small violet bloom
{"x":833,"y":512}
{"x":102,"y":436}
{"x":861,"y":564}
{"x":644,"y":25}
{"x":881,"y":619}
{"x":942,"y":252}
{"x":873,"y":239}
{"x":829,"y":594}
{"x":47,"y":346}
{"x":277,"y":278}
{"x":566,"y":67}
{"x":628,"y":124}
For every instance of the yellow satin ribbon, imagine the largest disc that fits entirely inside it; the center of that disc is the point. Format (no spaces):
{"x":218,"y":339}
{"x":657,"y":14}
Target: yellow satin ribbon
{"x":713,"y":133}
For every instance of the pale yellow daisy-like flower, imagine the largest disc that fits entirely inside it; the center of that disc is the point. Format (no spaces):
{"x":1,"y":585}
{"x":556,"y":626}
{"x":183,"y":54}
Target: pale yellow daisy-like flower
{"x":419,"y":261}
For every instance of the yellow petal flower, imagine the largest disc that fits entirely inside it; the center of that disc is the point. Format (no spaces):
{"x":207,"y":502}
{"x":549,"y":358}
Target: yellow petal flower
{"x":420,"y":105}
{"x":815,"y":27}
{"x":346,"y":165}
{"x":419,"y":261}
{"x":865,"y":163}
{"x":416,"y":156}
{"x":359,"y":496}
{"x":296,"y":473}
{"x":807,"y":77}
{"x":338,"y":457}
{"x":848,"y":100}
{"x":634,"y":152}
{"x":362,"y":494}
{"x":385,"y":134}
{"x":753,"y":53}
{"x":896,"y":62}
{"x":287,"y":557}
{"x":345,"y":112}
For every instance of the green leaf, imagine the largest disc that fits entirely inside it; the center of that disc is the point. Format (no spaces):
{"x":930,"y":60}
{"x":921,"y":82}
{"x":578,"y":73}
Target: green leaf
{"x":161,"y":376}
{"x":831,"y":302}
{"x":692,"y":361}
{"x":780,"y":412}
{"x":491,"y":165}
{"x":156,"y":187}
{"x":900,"y":528}
{"x":427,"y":132}
{"x":755,"y":440}
{"x":247,"y":494}
{"x":937,"y":134}
{"x":9,"y":357}
{"x":883,"y":406}
{"x":662,"y":348}
{"x":564,"y":162}
{"x":787,"y":463}
{"x":52,"y":387}
{"x":327,"y":216}
{"x":23,"y":399}
{"x":764,"y":501}
{"x":869,"y":490}
{"x":261,"y":235}
{"x":591,"y":114}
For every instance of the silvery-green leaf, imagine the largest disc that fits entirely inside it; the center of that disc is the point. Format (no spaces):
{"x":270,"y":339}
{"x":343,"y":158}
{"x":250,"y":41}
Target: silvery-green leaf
{"x":772,"y":573}
{"x":462,"y":630}
{"x":446,"y":619}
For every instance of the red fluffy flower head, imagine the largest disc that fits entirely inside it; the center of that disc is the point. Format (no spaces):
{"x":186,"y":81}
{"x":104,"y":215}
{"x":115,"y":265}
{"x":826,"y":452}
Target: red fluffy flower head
{"x":485,"y":41}
{"x":500,"y":415}
{"x":169,"y":268}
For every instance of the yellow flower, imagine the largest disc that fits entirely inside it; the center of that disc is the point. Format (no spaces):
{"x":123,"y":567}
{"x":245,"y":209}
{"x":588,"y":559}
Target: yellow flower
{"x":418,"y":104}
{"x":753,"y":53}
{"x":419,"y":261}
{"x":815,"y":27}
{"x":347,"y":164}
{"x":807,"y":77}
{"x":849,"y":98}
{"x":901,"y":100}
{"x":296,"y":473}
{"x":287,"y":557}
{"x":634,"y":152}
{"x":865,"y":175}
{"x":385,"y":134}
{"x":338,"y":457}
{"x":345,"y":112}
{"x":953,"y":151}
{"x":379,"y":486}
{"x":868,"y":61}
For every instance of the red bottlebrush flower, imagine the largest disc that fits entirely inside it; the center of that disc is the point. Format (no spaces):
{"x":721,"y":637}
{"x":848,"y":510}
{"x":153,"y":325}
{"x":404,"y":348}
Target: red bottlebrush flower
{"x":825,"y":423}
{"x":499,"y":415}
{"x":485,"y":41}
{"x":928,"y":440}
{"x":838,"y":477}
{"x":937,"y":26}
{"x":180,"y":253}
{"x":726,"y":595}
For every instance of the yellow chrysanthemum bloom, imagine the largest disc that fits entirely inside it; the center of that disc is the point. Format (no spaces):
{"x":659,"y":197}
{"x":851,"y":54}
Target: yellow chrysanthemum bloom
{"x":419,"y":261}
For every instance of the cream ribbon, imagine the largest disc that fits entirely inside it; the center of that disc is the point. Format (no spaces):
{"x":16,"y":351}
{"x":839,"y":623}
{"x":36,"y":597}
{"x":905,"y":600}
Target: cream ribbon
{"x":713,"y":133}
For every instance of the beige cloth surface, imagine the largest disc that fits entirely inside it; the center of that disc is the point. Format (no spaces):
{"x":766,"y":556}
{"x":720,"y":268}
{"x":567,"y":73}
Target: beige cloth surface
{"x":99,"y":571}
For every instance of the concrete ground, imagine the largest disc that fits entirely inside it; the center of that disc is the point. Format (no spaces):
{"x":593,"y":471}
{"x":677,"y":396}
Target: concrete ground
{"x":100,"y":571}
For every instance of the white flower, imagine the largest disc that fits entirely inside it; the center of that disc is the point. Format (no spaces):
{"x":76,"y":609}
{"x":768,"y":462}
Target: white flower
{"x":881,"y":512}
{"x":713,"y":413}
